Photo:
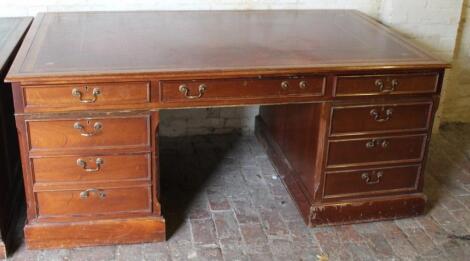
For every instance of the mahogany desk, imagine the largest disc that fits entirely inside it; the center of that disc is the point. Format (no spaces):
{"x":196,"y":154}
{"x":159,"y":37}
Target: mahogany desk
{"x":12,"y":31}
{"x":355,"y":104}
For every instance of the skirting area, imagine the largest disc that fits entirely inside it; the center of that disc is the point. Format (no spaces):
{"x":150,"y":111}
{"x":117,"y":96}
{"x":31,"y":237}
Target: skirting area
{"x":226,"y":202}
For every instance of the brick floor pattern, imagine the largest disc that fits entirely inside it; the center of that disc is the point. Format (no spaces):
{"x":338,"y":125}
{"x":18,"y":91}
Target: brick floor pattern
{"x":224,"y":201}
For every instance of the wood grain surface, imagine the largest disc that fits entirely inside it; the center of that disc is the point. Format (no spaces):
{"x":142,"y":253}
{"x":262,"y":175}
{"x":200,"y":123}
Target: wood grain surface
{"x":73,"y":45}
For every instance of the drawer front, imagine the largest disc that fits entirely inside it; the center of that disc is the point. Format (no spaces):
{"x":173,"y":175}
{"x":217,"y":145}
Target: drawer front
{"x":86,"y":95}
{"x":91,"y":168}
{"x":200,"y":90}
{"x":377,"y":150}
{"x":93,"y":201}
{"x":89,"y":133}
{"x":386,"y":84}
{"x":371,"y":181}
{"x":380,"y":118}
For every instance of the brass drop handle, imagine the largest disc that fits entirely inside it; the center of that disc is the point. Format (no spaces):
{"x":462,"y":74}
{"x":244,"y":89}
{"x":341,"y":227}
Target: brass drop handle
{"x":183,"y":88}
{"x":97,"y":127}
{"x":86,"y":193}
{"x":77,"y":93}
{"x":374,"y":143}
{"x":380,"y":84}
{"x":395,"y":84}
{"x":83,"y":164}
{"x":368,"y":179}
{"x":384,"y":144}
{"x":376,"y":115}
{"x":284,"y":85}
{"x":303,"y":85}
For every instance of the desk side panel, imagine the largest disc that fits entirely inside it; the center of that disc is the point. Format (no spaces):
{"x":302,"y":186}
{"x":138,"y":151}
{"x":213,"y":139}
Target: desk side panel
{"x":291,"y":135}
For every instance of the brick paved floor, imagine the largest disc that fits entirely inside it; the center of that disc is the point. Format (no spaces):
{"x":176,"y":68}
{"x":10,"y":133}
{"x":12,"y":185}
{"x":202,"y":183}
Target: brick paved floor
{"x":224,"y":202}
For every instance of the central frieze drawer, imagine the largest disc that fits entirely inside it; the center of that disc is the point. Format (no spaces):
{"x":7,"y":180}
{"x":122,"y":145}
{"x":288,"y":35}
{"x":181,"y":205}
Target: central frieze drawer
{"x":389,"y":84}
{"x":89,"y":133}
{"x":371,"y":181}
{"x":94,"y":200}
{"x":194,"y":90}
{"x":85,"y":96}
{"x":91,"y":168}
{"x":377,"y":150}
{"x":380,"y":118}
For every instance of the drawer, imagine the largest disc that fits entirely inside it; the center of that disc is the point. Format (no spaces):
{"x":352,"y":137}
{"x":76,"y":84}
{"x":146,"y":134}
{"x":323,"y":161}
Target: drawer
{"x":89,"y":133}
{"x":86,"y":95}
{"x":389,"y":84}
{"x":93,"y":201}
{"x":199,"y":90}
{"x":371,"y":181}
{"x":377,"y":150}
{"x":380,"y":118}
{"x":91,"y":168}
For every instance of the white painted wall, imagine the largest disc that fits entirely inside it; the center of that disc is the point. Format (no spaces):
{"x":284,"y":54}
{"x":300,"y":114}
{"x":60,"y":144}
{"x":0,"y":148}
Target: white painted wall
{"x":456,"y":105}
{"x":31,"y":7}
{"x":431,"y":23}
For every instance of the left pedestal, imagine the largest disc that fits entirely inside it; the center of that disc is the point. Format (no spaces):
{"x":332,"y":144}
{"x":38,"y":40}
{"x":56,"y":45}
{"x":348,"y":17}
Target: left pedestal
{"x":91,"y":178}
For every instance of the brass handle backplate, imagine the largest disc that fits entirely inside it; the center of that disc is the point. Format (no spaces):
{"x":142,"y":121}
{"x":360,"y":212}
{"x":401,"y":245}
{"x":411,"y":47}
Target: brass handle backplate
{"x":183,"y":88}
{"x":380,"y":84}
{"x":379,"y":117}
{"x":97,"y":127}
{"x":376,"y":142}
{"x":86,"y":193}
{"x":83,"y":164}
{"x":77,"y":93}
{"x":284,"y":85}
{"x":367,"y":177}
{"x":303,"y":85}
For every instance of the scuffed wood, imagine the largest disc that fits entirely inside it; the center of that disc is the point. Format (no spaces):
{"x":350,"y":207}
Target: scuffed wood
{"x":367,"y":209}
{"x":92,"y":233}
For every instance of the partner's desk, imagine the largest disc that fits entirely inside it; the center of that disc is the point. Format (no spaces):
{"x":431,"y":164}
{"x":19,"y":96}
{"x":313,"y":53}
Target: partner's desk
{"x":353,"y":107}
